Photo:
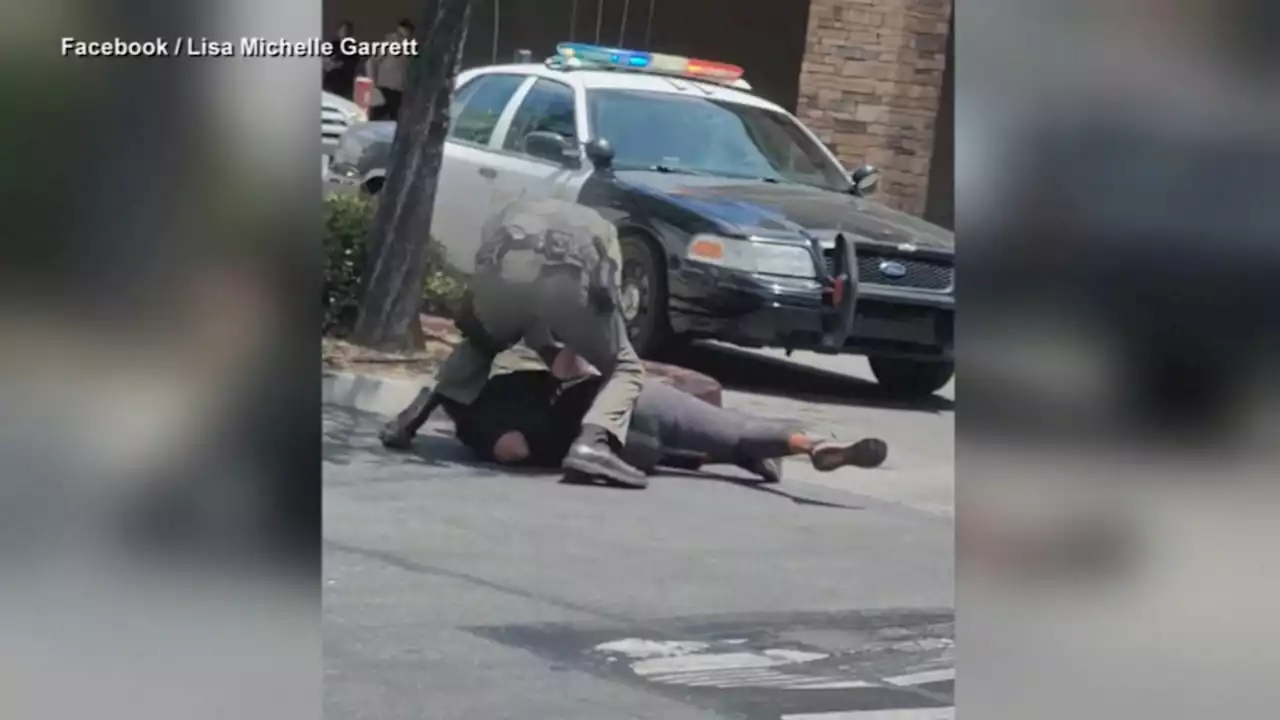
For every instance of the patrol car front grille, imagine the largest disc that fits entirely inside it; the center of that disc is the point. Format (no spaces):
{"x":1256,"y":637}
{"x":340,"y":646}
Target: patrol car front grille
{"x":920,"y":274}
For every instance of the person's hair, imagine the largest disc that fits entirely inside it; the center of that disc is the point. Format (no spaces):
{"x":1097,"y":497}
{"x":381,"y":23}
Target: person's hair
{"x":347,"y":25}
{"x":407,"y":24}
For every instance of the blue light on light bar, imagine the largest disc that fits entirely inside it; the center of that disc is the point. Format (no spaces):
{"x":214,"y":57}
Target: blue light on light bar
{"x":580,"y":54}
{"x":604,"y":55}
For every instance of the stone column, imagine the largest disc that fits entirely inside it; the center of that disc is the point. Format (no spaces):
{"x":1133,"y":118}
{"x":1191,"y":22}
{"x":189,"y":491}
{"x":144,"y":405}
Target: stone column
{"x":870,"y":85}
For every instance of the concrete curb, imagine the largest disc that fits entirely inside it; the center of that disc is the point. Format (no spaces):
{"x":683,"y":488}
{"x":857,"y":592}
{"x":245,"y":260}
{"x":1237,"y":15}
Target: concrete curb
{"x":368,"y":393}
{"x":388,"y":396}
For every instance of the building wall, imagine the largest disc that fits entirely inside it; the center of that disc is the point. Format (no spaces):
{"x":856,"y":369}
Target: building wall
{"x":940,"y":204}
{"x":867,"y":75}
{"x":871,"y":84}
{"x":765,"y":37}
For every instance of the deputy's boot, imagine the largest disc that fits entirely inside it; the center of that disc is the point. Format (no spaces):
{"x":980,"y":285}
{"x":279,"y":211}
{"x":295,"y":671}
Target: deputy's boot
{"x":592,"y":456}
{"x":399,"y":433}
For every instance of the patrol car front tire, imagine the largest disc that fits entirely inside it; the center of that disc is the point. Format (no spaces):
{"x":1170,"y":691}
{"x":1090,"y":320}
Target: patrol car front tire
{"x":644,"y":283}
{"x":912,"y":379}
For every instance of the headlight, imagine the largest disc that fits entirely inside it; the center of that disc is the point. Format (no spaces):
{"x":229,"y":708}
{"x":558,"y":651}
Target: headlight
{"x":349,"y":150}
{"x":754,"y":255}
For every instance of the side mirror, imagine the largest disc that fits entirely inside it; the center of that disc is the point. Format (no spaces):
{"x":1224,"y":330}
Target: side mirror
{"x":552,"y":147}
{"x":600,"y":153}
{"x":865,"y":179}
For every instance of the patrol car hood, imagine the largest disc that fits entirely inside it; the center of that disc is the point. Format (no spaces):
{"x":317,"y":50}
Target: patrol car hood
{"x":749,"y":207}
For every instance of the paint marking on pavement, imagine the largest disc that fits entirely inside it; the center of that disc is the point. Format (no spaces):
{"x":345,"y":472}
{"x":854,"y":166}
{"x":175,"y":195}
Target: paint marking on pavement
{"x":921,"y":678}
{"x":829,"y":684}
{"x":640,"y":648}
{"x":687,"y":663}
{"x":948,"y":713}
{"x":759,"y":677}
{"x":714,"y":677}
{"x":721,"y":661}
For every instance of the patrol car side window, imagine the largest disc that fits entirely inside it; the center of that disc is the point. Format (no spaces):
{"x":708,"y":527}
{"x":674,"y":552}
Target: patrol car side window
{"x":548,"y":107}
{"x":478,"y":105}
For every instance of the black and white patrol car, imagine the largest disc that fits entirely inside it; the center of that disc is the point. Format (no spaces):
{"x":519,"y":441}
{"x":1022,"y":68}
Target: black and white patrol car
{"x":736,"y":222}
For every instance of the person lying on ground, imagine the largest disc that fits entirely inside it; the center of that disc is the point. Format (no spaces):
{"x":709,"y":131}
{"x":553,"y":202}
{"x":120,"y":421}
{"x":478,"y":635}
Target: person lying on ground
{"x":528,"y":415}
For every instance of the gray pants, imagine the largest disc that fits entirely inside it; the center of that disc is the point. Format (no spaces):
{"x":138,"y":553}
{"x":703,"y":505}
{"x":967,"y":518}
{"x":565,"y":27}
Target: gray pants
{"x":667,"y":419}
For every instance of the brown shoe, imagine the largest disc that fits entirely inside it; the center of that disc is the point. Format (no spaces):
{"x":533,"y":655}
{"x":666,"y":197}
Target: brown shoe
{"x":866,"y":453}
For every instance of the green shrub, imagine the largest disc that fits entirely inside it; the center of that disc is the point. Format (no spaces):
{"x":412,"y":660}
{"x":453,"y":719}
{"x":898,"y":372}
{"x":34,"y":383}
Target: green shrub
{"x":348,"y":224}
{"x":442,"y":291}
{"x":348,"y":221}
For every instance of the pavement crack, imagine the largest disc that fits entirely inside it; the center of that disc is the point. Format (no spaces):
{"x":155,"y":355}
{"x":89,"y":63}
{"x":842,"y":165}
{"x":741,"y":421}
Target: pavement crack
{"x":418,"y":568}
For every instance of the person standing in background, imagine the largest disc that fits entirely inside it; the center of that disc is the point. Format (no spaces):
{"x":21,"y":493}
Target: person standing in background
{"x":340,"y":68}
{"x":389,"y":73}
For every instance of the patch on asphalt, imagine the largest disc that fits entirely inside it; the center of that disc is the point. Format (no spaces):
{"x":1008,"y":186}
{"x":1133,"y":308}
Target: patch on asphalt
{"x":768,"y":667}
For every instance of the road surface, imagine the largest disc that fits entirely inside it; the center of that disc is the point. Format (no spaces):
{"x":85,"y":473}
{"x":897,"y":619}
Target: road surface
{"x":456,"y":592}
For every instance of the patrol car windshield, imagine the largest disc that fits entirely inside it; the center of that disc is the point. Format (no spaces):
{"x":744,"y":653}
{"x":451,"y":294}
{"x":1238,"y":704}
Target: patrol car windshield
{"x":702,"y":136}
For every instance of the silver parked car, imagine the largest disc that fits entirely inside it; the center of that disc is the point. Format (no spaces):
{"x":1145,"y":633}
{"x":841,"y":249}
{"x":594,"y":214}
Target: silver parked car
{"x":336,"y":115}
{"x":360,"y":161}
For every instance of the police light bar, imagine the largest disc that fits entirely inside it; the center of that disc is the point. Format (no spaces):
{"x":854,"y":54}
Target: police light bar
{"x":581,"y":54}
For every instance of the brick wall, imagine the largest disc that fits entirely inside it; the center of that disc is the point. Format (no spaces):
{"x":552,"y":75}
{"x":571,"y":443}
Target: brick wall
{"x":870,"y":85}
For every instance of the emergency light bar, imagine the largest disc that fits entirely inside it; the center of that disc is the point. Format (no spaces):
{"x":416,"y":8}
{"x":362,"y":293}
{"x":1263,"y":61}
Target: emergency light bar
{"x":583,"y":55}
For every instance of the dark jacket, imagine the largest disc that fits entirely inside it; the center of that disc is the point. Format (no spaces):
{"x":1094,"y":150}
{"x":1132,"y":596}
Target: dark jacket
{"x":341,"y":80}
{"x":532,"y":402}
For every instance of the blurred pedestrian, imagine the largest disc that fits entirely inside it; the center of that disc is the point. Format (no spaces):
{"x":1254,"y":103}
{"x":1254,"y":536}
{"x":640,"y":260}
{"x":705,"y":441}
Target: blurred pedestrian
{"x":389,"y":73}
{"x":340,"y":67}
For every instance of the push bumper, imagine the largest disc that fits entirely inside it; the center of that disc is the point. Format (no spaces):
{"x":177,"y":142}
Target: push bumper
{"x":758,"y":310}
{"x":833,"y":314}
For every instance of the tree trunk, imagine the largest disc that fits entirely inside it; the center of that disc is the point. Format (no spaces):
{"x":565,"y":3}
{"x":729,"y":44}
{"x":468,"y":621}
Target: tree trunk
{"x":397,"y":266}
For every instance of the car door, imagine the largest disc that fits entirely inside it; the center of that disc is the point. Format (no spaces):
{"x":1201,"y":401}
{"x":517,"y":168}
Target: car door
{"x":547,"y":106}
{"x":465,"y":189}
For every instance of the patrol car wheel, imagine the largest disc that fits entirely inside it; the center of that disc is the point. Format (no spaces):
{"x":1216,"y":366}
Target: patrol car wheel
{"x":912,"y":379}
{"x":644,"y":295}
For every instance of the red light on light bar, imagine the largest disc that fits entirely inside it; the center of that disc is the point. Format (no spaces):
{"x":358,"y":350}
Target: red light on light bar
{"x":706,"y":68}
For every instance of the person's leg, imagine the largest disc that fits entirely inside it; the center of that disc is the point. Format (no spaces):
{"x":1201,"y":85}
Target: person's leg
{"x":686,"y":427}
{"x":687,"y":424}
{"x":461,"y":378}
{"x":601,"y":339}
{"x":393,"y":98}
{"x":466,"y":370}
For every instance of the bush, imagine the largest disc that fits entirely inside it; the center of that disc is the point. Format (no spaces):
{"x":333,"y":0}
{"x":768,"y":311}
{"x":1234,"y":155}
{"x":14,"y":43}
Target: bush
{"x":348,"y":225}
{"x":348,"y":221}
{"x":442,"y":290}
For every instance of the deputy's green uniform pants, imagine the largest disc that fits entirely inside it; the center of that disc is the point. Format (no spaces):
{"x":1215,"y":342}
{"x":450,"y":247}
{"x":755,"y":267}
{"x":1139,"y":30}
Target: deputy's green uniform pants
{"x":540,"y":312}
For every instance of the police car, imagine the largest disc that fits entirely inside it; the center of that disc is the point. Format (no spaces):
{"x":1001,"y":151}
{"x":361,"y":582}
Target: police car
{"x":736,"y":222}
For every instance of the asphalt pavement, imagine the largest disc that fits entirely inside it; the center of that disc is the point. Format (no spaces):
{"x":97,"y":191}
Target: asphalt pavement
{"x":461,"y":591}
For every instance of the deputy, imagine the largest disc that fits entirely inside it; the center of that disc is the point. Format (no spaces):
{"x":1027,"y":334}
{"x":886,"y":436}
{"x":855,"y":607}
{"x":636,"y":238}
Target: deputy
{"x":545,"y":270}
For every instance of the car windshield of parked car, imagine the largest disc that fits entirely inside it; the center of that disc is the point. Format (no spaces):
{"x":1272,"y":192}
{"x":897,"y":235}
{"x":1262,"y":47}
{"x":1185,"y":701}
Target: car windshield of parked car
{"x":702,"y":136}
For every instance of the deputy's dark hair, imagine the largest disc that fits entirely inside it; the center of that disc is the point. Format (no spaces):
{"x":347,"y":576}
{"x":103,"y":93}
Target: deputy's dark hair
{"x":407,"y":24}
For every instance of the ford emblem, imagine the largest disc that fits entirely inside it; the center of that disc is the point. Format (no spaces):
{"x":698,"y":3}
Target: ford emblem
{"x":893,"y":270}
